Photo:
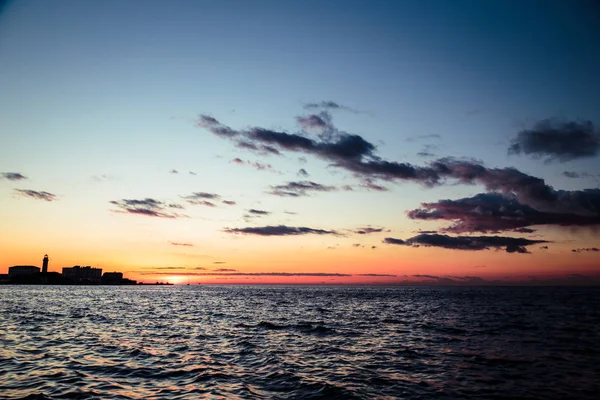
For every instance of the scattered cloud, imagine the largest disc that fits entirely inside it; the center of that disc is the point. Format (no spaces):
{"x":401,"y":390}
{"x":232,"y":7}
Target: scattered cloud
{"x":228,"y":202}
{"x":329,"y":105}
{"x":34,"y":194}
{"x":570,"y":174}
{"x":367,"y":230}
{"x":254,"y":164}
{"x":558,"y":140}
{"x":510,"y":244}
{"x":192,"y":173}
{"x":148,"y":207}
{"x":492,"y":213}
{"x":280,"y":230}
{"x":13,"y":176}
{"x":254,"y":211}
{"x":586,"y":249}
{"x":174,"y":171}
{"x":225,"y":270}
{"x":358,"y":156}
{"x":299,"y":188}
{"x":302,"y":173}
{"x":181,"y":244}
{"x":202,"y":199}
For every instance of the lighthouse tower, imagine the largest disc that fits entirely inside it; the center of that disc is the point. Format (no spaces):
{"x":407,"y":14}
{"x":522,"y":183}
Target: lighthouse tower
{"x":45,"y":264}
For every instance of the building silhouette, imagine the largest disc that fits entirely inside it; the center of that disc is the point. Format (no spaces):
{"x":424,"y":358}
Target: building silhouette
{"x":22,"y":270}
{"x":80,"y":274}
{"x":45,"y":264}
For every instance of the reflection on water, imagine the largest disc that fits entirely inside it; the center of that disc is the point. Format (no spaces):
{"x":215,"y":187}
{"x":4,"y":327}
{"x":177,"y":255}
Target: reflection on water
{"x":298,"y":342}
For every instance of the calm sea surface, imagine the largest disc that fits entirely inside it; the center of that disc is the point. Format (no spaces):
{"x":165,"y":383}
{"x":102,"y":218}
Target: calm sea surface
{"x":182,"y":342}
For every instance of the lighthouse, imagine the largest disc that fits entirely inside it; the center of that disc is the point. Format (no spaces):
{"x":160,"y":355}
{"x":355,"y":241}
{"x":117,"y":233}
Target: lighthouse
{"x":45,"y":264}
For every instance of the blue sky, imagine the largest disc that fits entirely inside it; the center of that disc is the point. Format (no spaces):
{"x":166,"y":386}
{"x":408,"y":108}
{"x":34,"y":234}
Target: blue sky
{"x":101,"y":99}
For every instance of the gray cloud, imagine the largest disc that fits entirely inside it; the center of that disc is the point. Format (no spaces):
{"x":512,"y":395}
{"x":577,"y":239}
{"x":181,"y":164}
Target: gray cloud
{"x":34,"y":194}
{"x":302,"y":173}
{"x":299,"y":188}
{"x":510,"y":244}
{"x":13,"y":176}
{"x":254,"y":211}
{"x":558,"y":140}
{"x":368,"y":229}
{"x":280,"y":230}
{"x":148,"y":207}
{"x":329,"y":105}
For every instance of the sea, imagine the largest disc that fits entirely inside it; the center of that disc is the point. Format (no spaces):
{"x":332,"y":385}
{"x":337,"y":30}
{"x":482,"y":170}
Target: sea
{"x":299,"y":342}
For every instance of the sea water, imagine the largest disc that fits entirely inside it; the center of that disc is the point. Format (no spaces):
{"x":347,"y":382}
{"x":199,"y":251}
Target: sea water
{"x":299,"y":342}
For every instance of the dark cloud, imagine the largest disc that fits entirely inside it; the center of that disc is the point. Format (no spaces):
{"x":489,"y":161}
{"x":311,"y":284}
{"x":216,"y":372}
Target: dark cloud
{"x":201,"y":199}
{"x":299,"y":188}
{"x":368,"y":229}
{"x":356,"y":155}
{"x":13,"y":176}
{"x":34,"y":194}
{"x":315,"y":123}
{"x":492,"y":213}
{"x":375,"y":275}
{"x":302,"y":173}
{"x":280,"y":230}
{"x":570,"y":174}
{"x":202,"y":195}
{"x":148,"y":207}
{"x":225,"y":270}
{"x":390,"y":240}
{"x":586,"y":249}
{"x":258,"y":212}
{"x":370,"y":185}
{"x":558,"y":140}
{"x":511,"y":245}
{"x":181,"y":244}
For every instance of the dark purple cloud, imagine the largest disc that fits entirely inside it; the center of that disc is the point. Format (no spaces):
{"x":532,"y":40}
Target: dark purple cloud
{"x":256,"y":165}
{"x":299,"y":188}
{"x":356,"y":155}
{"x":202,"y":199}
{"x":34,"y":194}
{"x":510,"y":244}
{"x":148,"y":207}
{"x":280,"y":230}
{"x":13,"y":176}
{"x":228,"y":202}
{"x":368,"y":229}
{"x":492,"y":213}
{"x":558,"y":140}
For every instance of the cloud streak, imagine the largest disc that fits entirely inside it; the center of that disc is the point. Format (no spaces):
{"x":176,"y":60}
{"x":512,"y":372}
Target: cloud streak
{"x":38,"y":195}
{"x":148,"y":207}
{"x":279,"y":230}
{"x":510,"y":244}
{"x":12,"y":176}
{"x":299,"y":189}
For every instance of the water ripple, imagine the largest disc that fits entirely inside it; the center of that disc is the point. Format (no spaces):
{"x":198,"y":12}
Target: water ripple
{"x":276,"y":342}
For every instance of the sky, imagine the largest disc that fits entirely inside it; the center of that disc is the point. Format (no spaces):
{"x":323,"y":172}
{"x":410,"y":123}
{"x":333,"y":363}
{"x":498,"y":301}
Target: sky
{"x":338,"y":142}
